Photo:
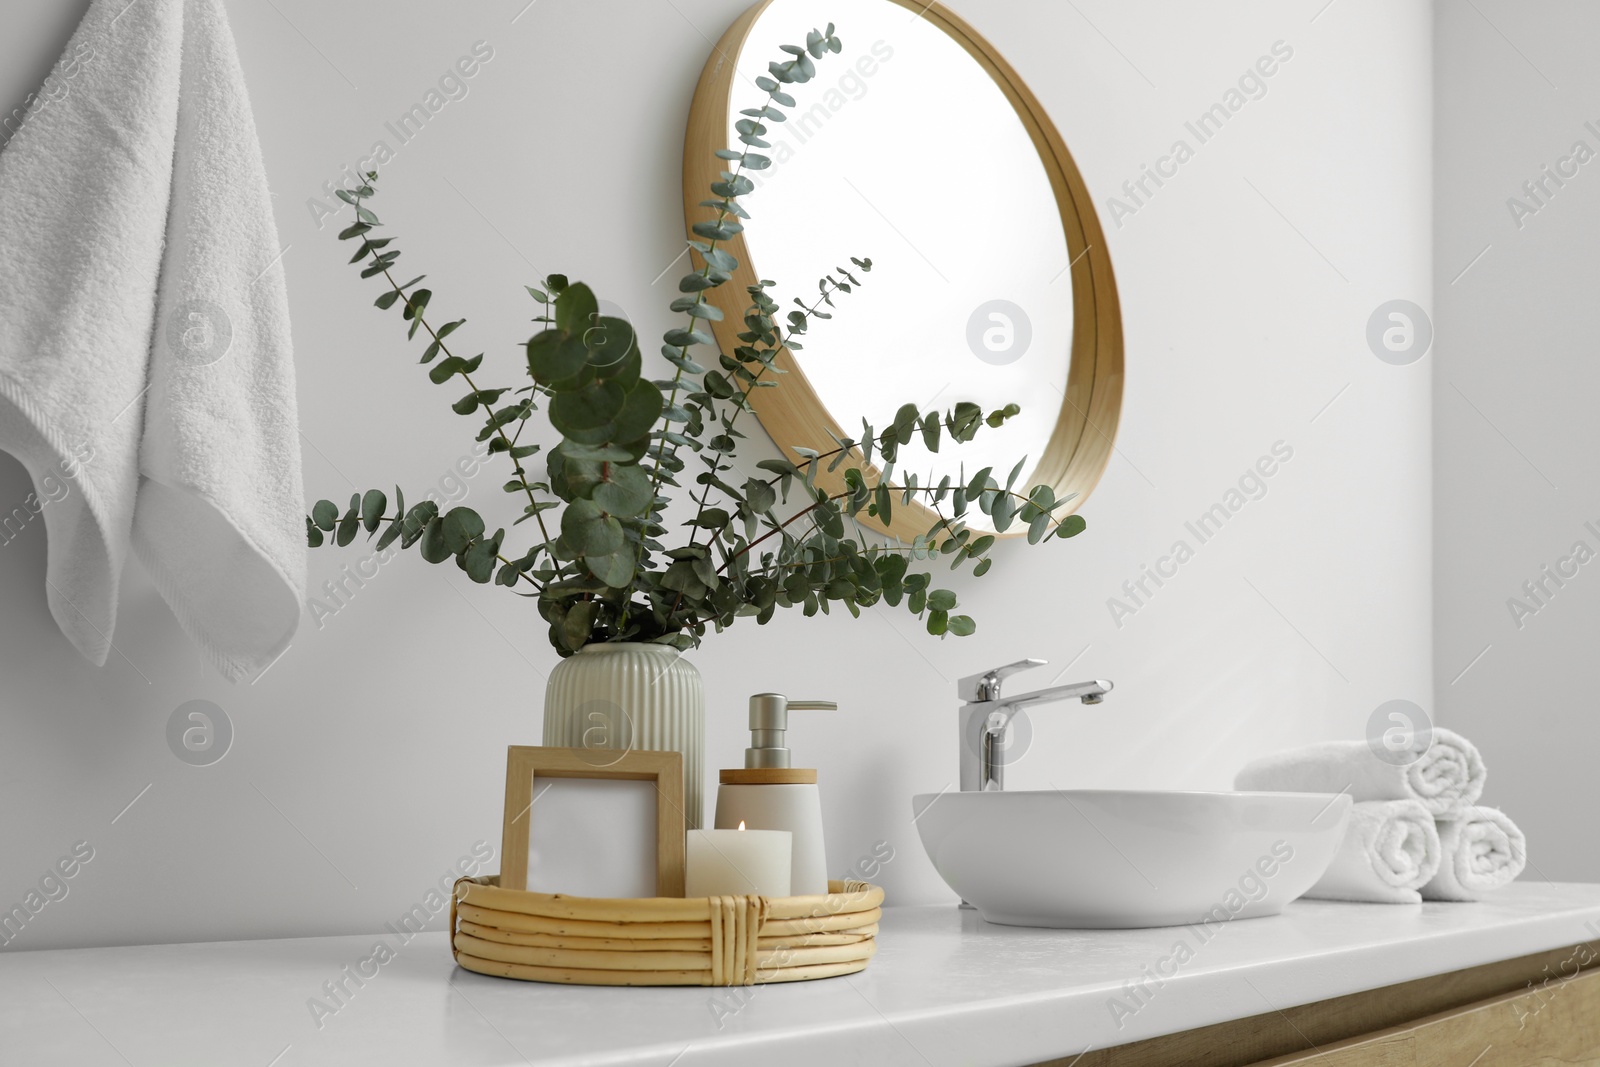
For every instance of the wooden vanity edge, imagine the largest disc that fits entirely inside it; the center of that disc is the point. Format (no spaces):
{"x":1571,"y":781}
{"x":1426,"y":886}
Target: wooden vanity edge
{"x":1278,"y":1038}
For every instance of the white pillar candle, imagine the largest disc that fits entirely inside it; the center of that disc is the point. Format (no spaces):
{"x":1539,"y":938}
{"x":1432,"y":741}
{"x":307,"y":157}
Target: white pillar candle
{"x":738,"y":863}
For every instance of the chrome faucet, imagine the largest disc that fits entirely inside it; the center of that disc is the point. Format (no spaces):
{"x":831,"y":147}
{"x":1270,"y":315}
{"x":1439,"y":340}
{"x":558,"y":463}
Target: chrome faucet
{"x":986,"y":716}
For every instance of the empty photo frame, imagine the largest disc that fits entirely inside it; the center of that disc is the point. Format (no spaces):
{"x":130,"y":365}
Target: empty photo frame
{"x":579,"y":827}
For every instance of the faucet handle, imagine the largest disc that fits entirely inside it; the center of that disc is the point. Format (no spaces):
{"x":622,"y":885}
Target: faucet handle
{"x":986,"y":685}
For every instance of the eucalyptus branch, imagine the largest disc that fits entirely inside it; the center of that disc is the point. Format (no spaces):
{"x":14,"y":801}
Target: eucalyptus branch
{"x":522,"y":474}
{"x":942,"y":523}
{"x":715,"y":232}
{"x":414,"y":311}
{"x":961,"y":422}
{"x":743,"y":404}
{"x":778,"y":529}
{"x":717,"y":266}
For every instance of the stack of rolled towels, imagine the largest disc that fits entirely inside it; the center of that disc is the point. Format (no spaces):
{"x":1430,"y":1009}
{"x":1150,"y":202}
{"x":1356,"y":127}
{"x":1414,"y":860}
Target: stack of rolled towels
{"x":1416,"y":831}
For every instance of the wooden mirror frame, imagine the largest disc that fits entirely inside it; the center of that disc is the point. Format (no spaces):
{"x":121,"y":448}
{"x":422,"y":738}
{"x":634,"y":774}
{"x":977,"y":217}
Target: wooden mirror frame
{"x":793,"y":414}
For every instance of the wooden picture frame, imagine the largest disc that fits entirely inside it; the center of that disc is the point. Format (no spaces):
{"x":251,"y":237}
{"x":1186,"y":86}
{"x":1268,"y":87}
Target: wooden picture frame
{"x":526,"y":763}
{"x":1086,"y":424}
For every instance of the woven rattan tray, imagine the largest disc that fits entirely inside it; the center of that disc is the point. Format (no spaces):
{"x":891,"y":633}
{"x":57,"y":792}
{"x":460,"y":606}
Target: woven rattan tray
{"x":710,"y":941}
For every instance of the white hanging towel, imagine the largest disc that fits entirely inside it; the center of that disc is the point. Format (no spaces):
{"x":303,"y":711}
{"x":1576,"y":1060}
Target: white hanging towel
{"x":145,"y":360}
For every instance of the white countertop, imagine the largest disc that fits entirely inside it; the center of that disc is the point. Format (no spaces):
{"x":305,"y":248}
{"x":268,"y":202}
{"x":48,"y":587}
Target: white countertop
{"x":945,"y":988}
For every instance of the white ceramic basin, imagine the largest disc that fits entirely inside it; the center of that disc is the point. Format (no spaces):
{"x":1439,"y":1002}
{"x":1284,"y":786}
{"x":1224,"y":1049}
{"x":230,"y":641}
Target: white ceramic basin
{"x":1112,"y":859}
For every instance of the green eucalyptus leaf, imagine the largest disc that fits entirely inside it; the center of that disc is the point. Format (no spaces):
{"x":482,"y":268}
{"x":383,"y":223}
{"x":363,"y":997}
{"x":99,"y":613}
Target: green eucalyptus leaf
{"x":434,"y":548}
{"x":577,"y":624}
{"x":461,"y":526}
{"x":416,"y":304}
{"x":576,"y":309}
{"x":1003,"y":511}
{"x":480,"y":559}
{"x":445,"y":369}
{"x":641,"y":407}
{"x":598,"y":453}
{"x":615,"y":569}
{"x":723,"y":229}
{"x":373,"y":504}
{"x":393,"y":531}
{"x":720,"y":259}
{"x":697,"y":309}
{"x":589,"y":530}
{"x":590,"y":407}
{"x":687,"y":338}
{"x":325,"y":514}
{"x":979,"y":483}
{"x":609,"y":342}
{"x":555,"y":357}
{"x":416,"y":523}
{"x":624,"y":490}
{"x":348,"y":527}
{"x":1039,"y":528}
{"x":759,"y":495}
{"x":1016,"y":472}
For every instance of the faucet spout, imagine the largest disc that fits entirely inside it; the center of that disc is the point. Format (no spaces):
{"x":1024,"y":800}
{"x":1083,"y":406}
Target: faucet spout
{"x":1090,"y":692}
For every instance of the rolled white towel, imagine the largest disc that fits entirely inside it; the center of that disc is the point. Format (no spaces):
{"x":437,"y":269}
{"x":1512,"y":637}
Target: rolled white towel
{"x":1482,"y":851}
{"x":1390,"y":850}
{"x":1446,"y":777}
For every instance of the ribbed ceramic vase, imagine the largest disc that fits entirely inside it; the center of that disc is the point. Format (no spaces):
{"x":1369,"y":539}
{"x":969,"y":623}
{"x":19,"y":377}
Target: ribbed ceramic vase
{"x":630,"y":697}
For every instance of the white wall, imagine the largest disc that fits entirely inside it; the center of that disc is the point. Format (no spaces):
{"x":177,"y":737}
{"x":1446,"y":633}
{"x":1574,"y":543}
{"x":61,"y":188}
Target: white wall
{"x":371,"y":755}
{"x":1516,"y":434}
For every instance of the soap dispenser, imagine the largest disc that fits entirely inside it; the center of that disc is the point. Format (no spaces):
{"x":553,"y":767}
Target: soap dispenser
{"x":769,"y":794}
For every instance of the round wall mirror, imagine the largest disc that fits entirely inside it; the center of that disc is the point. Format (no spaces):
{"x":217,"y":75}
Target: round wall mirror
{"x":919,"y":148}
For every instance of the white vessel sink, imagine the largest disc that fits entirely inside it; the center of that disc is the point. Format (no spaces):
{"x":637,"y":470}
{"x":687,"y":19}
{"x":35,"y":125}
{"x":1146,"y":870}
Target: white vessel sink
{"x":1112,"y":859}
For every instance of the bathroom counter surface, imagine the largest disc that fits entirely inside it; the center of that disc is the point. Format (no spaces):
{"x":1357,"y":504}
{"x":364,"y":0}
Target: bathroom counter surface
{"x":946,"y":988}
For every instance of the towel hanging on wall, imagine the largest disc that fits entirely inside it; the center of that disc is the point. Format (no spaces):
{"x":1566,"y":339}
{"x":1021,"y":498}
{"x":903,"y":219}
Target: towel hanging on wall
{"x":145,"y":358}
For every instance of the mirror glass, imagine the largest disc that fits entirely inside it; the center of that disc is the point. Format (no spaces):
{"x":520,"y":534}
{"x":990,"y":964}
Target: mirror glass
{"x":907,"y":150}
